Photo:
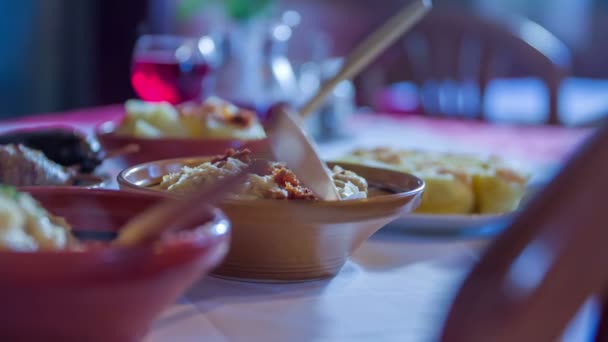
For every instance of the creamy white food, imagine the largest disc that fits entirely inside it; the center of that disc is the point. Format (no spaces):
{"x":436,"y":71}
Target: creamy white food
{"x":26,"y":226}
{"x":278,"y":183}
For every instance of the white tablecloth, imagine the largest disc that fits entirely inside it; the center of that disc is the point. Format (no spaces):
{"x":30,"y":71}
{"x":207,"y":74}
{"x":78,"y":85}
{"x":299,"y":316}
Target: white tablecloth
{"x":395,"y":288}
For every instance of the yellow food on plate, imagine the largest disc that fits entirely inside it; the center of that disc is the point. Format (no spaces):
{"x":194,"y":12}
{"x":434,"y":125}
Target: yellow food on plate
{"x":455,"y":183}
{"x":214,"y":118}
{"x":446,"y":193}
{"x":151,"y":120}
{"x":499,"y":190}
{"x":26,"y":226}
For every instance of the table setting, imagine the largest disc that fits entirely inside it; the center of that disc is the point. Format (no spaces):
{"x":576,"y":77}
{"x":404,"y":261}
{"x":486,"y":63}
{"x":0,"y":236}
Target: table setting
{"x":199,"y":215}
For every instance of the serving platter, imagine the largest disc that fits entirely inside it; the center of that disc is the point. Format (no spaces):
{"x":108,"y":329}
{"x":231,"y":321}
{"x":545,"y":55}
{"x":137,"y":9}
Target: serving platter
{"x":460,"y":225}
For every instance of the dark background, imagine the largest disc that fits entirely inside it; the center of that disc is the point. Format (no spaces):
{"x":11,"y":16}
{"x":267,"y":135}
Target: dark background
{"x":64,"y":54}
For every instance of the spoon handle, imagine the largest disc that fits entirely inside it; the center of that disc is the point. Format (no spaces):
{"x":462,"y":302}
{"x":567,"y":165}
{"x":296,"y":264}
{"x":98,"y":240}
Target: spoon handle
{"x":173,"y":213}
{"x":369,"y":49}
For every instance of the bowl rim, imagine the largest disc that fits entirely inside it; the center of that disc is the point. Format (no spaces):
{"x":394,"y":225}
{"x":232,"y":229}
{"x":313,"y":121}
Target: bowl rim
{"x":107,"y":130}
{"x":45,"y":126}
{"x":201,"y":236}
{"x":418,"y":189}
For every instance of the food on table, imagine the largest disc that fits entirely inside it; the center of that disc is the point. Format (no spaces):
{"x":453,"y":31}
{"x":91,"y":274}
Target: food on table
{"x":214,"y":118}
{"x":23,"y":166}
{"x":445,"y":193}
{"x":455,"y":183}
{"x":499,"y":190}
{"x":63,"y":146}
{"x":26,"y":226}
{"x":277,"y":183}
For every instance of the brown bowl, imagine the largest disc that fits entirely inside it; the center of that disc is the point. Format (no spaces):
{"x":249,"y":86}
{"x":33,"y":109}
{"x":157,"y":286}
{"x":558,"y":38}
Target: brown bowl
{"x":151,"y":149}
{"x":275,"y":240}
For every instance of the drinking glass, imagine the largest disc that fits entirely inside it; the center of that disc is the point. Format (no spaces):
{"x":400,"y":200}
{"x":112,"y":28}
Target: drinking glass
{"x":173,"y":68}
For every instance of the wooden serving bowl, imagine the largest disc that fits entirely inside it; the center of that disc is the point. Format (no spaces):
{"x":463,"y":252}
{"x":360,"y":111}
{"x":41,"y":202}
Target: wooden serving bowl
{"x":103,"y":293}
{"x":151,"y":149}
{"x":291,"y":240}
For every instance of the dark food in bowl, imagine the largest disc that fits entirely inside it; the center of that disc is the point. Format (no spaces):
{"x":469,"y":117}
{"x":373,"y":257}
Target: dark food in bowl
{"x":63,"y":146}
{"x":23,"y":166}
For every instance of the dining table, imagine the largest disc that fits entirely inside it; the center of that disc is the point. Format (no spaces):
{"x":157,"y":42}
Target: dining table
{"x":397,"y":286}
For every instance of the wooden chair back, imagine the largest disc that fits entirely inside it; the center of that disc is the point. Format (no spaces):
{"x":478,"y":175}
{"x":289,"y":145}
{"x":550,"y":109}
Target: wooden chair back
{"x":549,"y":261}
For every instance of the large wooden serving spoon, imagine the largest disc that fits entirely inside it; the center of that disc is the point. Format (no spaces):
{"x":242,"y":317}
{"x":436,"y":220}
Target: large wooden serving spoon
{"x":369,"y":49}
{"x":288,"y":141}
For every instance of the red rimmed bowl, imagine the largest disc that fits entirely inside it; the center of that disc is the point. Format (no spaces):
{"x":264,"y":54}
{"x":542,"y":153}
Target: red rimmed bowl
{"x":103,"y":293}
{"x":151,"y":149}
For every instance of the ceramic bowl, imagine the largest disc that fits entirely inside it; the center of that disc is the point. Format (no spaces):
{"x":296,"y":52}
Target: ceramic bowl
{"x":151,"y":149}
{"x":102,"y":293}
{"x":275,"y":240}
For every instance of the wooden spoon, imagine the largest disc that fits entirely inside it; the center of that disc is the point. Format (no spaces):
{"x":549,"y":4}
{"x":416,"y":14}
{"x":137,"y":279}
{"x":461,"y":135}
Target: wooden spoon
{"x":174,"y":214}
{"x":290,"y":144}
{"x":370,"y":48}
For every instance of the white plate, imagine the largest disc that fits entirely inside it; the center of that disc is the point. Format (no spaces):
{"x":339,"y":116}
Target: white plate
{"x":459,"y":224}
{"x":450,"y":224}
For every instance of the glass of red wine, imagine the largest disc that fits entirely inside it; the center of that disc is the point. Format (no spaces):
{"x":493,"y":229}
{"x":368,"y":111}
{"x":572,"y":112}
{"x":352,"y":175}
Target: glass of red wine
{"x":173,"y":68}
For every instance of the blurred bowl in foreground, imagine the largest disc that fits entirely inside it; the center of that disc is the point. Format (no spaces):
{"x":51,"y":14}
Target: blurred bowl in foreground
{"x":103,"y":293}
